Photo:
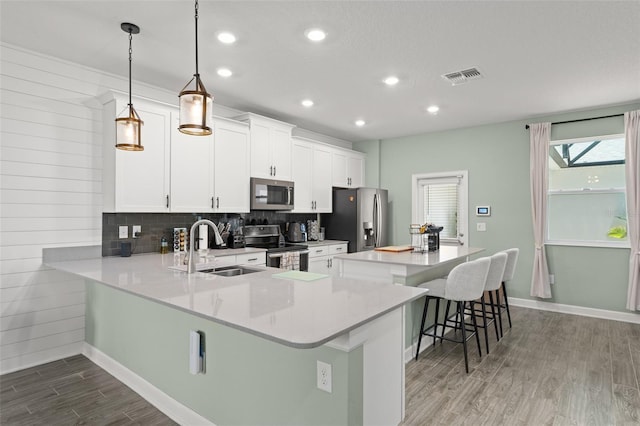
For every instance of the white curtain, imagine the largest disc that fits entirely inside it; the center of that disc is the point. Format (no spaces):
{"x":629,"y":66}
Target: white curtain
{"x":539,"y":135}
{"x":632,"y":165}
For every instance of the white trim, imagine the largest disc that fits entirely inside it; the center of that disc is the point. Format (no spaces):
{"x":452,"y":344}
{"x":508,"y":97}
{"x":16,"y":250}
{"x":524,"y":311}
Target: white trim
{"x":163,"y":402}
{"x":576,"y":310}
{"x":606,"y":244}
{"x":463,"y":201}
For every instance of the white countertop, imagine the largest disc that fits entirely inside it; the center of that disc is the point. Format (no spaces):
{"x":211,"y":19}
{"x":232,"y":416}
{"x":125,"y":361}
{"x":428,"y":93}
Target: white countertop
{"x":302,"y":314}
{"x":408,"y":258}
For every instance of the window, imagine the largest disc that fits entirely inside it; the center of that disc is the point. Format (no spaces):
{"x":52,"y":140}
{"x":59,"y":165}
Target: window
{"x":441,"y":199}
{"x":586,"y":195}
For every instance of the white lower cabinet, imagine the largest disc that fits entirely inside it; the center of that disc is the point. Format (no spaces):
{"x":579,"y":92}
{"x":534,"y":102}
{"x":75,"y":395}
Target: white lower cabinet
{"x":256,"y":259}
{"x":321,"y":257}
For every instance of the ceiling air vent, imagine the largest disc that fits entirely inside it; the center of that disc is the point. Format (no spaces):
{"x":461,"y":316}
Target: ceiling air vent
{"x":459,"y":77}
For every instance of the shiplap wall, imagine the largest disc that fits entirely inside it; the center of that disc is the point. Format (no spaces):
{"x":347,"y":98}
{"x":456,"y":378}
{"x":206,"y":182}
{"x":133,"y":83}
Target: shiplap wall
{"x":50,"y":195}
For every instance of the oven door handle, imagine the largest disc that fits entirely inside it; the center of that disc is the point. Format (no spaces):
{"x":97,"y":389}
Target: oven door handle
{"x":276,"y":255}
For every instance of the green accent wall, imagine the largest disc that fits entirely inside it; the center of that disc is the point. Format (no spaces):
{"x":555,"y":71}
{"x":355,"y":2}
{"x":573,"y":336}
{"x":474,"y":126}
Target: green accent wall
{"x":249,"y":380}
{"x":497,"y":158}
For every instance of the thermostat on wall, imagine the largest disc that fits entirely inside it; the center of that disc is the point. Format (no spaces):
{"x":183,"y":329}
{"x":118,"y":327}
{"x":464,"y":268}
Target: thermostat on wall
{"x":483,"y":210}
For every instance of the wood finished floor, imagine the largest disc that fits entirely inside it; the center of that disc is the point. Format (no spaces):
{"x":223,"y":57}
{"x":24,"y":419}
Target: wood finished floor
{"x":72,"y":391}
{"x":550,"y":369}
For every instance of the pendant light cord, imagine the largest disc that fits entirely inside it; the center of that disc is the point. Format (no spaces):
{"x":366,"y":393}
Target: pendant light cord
{"x":197,"y":73}
{"x":130,"y":52}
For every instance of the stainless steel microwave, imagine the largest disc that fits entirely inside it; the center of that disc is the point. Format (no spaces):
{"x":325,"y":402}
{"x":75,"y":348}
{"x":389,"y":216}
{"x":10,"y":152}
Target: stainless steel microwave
{"x":270,"y":194}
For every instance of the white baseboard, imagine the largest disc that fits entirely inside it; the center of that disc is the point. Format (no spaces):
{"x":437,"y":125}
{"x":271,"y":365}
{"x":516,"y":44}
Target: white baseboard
{"x":576,"y":310}
{"x":175,"y":410}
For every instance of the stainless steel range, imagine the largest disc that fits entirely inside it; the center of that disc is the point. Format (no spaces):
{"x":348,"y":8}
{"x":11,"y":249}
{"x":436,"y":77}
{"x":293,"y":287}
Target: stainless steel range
{"x":280,"y":254}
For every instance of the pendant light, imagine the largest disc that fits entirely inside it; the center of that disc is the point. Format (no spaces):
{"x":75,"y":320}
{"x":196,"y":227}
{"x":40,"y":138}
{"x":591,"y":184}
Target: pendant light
{"x":128,"y":128}
{"x":195,"y":105}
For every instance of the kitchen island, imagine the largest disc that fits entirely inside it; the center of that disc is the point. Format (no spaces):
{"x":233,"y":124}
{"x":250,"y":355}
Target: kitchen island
{"x":404,"y":268}
{"x":264,"y":335}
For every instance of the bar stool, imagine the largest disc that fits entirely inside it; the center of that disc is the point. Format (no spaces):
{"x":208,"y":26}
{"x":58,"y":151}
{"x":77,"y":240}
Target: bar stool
{"x":464,"y":284}
{"x":509,"y":271}
{"x":494,"y":279}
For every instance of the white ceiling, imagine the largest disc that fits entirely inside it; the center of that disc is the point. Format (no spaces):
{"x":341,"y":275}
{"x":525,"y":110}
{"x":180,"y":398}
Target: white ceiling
{"x":538,"y":57}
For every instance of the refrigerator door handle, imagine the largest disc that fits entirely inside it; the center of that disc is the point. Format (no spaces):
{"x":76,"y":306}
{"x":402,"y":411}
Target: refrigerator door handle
{"x":375,"y":219}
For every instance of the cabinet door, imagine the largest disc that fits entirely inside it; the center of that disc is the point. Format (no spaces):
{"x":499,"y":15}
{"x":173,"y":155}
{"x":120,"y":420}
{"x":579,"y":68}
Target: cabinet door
{"x":356,"y":171}
{"x":191,"y":170}
{"x":142,"y":178}
{"x":281,"y":152}
{"x":319,"y":265}
{"x":302,"y":177}
{"x":260,"y":151}
{"x":322,"y":179}
{"x":231,"y":167}
{"x":339,"y":169}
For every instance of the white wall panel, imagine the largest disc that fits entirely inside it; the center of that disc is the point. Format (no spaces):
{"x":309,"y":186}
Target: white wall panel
{"x":47,"y":144}
{"x":41,"y":317}
{"x":50,"y":192}
{"x":40,"y":330}
{"x":47,"y":184}
{"x":40,"y":290}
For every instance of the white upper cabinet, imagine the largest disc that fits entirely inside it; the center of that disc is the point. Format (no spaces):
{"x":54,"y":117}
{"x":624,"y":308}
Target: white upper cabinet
{"x":270,"y":147}
{"x":348,"y":168}
{"x":312,"y":177}
{"x":136,"y":181}
{"x":191,"y":171}
{"x":231,"y":166}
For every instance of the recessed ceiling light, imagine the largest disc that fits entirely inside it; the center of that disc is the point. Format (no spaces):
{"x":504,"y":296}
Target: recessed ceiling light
{"x":226,"y":38}
{"x":315,"y":34}
{"x":360,"y":123}
{"x":391,"y":80}
{"x":307,"y":103}
{"x":224,"y":72}
{"x":433,"y":109}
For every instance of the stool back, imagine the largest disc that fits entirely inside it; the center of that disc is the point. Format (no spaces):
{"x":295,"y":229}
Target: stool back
{"x":466,"y":281}
{"x":496,"y":271}
{"x":512,"y":259}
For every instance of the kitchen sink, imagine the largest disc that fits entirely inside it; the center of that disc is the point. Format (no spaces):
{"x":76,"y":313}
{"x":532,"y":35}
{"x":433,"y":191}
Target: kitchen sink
{"x":231,"y":271}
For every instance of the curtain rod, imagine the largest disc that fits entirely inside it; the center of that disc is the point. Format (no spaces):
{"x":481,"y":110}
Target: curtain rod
{"x":582,"y":119}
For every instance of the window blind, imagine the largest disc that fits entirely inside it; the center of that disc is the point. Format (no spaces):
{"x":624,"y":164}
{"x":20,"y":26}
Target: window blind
{"x":440,"y":201}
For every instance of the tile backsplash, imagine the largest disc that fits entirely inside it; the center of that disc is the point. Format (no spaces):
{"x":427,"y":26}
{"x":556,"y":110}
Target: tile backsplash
{"x":158,"y":225}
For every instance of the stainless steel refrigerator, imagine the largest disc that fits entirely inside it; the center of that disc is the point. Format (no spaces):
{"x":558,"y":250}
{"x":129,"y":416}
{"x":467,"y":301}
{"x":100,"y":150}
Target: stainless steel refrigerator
{"x":359,"y":216}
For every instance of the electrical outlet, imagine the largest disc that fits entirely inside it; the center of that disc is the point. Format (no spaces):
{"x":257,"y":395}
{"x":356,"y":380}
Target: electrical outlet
{"x":135,"y":230}
{"x":123,"y":232}
{"x":324,"y":376}
{"x":552,"y":279}
{"x":481,"y":226}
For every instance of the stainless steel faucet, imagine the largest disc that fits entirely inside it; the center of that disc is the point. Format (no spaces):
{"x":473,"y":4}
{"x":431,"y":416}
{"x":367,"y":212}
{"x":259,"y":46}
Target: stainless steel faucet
{"x":191,"y":259}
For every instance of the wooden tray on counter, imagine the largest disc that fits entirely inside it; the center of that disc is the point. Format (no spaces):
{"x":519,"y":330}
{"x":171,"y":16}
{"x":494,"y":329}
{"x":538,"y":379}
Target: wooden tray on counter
{"x":394,"y":249}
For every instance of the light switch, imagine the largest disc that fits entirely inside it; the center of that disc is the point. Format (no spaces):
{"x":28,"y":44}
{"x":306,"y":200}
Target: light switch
{"x":481,"y":227}
{"x":123,"y":231}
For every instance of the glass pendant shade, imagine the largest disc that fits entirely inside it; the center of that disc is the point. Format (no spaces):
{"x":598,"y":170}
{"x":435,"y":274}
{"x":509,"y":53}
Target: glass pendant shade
{"x":195,"y":109}
{"x":128,"y":130}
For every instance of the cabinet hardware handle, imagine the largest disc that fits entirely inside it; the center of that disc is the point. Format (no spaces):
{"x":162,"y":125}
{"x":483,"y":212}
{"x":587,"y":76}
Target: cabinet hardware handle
{"x":253,"y":259}
{"x":338,"y":248}
{"x":211,"y":202}
{"x":217,"y":202}
{"x":270,"y":170}
{"x":167,"y":201}
{"x":274,"y":170}
{"x":330,"y":263}
{"x":319,"y":251}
